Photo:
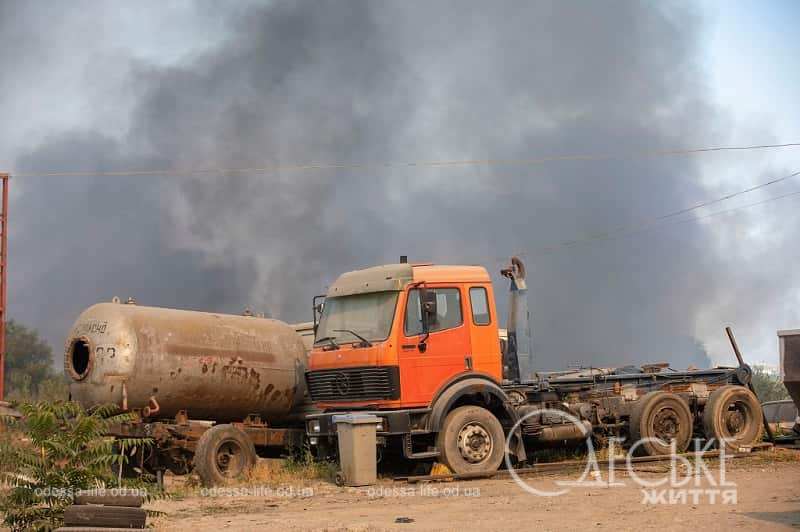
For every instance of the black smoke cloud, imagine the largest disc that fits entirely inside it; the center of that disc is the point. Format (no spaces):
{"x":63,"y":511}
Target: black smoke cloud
{"x":368,"y":82}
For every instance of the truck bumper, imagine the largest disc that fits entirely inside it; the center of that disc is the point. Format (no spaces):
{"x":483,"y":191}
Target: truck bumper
{"x":391,"y":422}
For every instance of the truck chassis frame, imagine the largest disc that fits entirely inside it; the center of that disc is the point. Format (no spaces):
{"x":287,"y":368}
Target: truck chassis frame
{"x":604,"y":401}
{"x":175,"y":441}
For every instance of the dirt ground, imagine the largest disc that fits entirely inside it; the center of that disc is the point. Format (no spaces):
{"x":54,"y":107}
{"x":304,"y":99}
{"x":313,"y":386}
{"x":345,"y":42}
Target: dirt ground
{"x":763,"y":493}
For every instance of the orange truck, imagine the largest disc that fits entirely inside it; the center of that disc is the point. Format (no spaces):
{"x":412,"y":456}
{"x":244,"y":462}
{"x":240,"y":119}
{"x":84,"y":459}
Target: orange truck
{"x":420,"y":347}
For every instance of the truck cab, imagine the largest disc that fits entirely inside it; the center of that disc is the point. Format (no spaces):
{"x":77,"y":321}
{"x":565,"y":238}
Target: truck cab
{"x":417,"y":345}
{"x":390,"y":337}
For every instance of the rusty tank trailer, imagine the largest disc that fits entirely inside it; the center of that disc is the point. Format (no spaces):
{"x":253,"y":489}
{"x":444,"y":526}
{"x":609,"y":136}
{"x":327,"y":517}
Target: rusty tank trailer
{"x":162,"y":362}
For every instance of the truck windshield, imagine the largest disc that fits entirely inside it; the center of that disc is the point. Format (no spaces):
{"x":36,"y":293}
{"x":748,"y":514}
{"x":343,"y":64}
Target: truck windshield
{"x":369,"y":315}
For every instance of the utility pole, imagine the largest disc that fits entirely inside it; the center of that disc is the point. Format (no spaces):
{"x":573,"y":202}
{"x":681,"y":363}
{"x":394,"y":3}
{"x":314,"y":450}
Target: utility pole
{"x":4,"y":177}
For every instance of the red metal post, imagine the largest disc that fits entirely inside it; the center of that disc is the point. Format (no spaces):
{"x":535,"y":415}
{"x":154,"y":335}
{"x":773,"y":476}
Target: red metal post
{"x":3,"y":284}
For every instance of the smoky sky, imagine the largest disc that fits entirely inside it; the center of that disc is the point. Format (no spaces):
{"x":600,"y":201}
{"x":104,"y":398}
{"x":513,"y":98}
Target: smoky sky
{"x":290,"y":83}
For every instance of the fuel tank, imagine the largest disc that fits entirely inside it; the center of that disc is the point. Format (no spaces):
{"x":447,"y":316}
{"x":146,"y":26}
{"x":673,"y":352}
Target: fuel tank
{"x":217,"y":367}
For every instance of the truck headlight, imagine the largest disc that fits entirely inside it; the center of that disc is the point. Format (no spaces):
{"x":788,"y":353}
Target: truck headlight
{"x":313,"y":441}
{"x":379,"y":427}
{"x":313,"y":425}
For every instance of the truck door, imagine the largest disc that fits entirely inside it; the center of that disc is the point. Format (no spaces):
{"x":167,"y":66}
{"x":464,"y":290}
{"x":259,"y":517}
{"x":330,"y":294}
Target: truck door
{"x":447,"y":350}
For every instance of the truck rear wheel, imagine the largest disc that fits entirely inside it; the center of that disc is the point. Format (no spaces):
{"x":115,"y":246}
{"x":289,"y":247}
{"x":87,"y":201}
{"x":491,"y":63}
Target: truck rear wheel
{"x":223,"y":453}
{"x":471,"y":440}
{"x":660,"y":418}
{"x":733,"y":414}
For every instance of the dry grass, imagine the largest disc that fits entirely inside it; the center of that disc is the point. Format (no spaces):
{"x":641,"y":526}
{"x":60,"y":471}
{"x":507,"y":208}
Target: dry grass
{"x":556,"y":454}
{"x":270,"y":472}
{"x":775,"y":455}
{"x":290,"y":471}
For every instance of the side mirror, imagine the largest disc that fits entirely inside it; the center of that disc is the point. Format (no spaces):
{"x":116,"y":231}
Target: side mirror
{"x":318,"y":304}
{"x":429,"y":310}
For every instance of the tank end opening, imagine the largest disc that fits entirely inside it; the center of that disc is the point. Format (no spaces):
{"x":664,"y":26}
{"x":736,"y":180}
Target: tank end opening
{"x":79,"y":359}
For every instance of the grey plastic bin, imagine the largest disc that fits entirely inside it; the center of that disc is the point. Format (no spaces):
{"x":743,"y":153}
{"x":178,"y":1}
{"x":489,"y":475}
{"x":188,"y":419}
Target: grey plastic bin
{"x":356,"y":435}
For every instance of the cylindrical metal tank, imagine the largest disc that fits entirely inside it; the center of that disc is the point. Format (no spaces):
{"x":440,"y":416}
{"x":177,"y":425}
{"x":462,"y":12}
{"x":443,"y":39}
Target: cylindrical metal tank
{"x":215,"y":366}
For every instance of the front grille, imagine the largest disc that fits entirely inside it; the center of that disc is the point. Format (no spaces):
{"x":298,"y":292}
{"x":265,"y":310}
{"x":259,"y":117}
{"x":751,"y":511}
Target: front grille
{"x":354,"y":384}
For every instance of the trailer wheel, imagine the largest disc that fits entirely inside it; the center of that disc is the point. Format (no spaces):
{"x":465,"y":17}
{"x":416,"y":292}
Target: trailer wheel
{"x":178,"y":462}
{"x":223,"y":453}
{"x":130,"y":465}
{"x":733,"y":414}
{"x":471,"y":440}
{"x":661,"y":418}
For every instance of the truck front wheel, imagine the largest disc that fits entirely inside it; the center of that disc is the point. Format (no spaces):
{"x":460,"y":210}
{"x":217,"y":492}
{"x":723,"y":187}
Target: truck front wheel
{"x":223,"y":453}
{"x":471,"y":440}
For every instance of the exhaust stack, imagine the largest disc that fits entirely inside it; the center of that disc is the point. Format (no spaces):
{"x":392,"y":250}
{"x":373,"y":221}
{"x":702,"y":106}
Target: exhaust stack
{"x":518,"y":358}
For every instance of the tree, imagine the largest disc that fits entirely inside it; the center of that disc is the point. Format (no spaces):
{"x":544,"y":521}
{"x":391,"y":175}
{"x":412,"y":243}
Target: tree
{"x":29,"y":364}
{"x":54,"y":450}
{"x":768,"y":386}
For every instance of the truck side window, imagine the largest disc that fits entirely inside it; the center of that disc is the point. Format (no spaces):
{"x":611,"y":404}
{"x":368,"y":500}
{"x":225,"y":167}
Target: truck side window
{"x":479,"y":302}
{"x":448,"y":311}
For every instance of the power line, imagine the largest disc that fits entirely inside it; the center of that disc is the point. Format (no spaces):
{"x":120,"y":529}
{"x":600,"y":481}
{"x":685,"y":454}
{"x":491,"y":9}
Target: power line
{"x":410,"y":164}
{"x":648,"y":223}
{"x":741,"y":207}
{"x":554,"y":248}
{"x":703,"y":217}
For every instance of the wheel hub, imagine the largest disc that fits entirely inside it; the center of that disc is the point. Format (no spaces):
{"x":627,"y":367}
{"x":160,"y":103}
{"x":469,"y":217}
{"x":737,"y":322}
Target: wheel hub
{"x":666,"y":425}
{"x":474,"y":443}
{"x":229,"y":459}
{"x":734,"y":420}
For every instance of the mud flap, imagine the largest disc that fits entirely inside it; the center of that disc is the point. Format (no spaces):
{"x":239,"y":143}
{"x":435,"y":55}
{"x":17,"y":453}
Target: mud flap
{"x":517,"y":445}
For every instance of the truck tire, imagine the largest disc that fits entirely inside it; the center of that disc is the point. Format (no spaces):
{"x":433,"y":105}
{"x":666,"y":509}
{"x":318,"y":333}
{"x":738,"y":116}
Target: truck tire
{"x":104,"y":516}
{"x":662,"y":418}
{"x":114,"y":497}
{"x":733,"y":414}
{"x":471,"y":440}
{"x":91,"y":529}
{"x":223,"y":453}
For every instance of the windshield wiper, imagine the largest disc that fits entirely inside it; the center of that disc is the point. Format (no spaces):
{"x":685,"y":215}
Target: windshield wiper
{"x":364,"y":341}
{"x":330,"y":339}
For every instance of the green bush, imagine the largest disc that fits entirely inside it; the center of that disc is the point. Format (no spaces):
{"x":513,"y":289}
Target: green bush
{"x":768,"y":386}
{"x":53,"y":451}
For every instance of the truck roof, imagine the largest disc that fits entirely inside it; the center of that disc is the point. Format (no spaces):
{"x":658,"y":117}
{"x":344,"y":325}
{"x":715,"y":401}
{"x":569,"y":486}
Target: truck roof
{"x":394,"y":277}
{"x":433,"y":273}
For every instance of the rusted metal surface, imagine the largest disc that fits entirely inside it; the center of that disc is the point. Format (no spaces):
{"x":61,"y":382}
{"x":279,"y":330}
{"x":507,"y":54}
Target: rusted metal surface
{"x":790,"y":362}
{"x":176,"y":441}
{"x":162,"y":361}
{"x":3,"y":278}
{"x":783,"y":417}
{"x":269,"y":437}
